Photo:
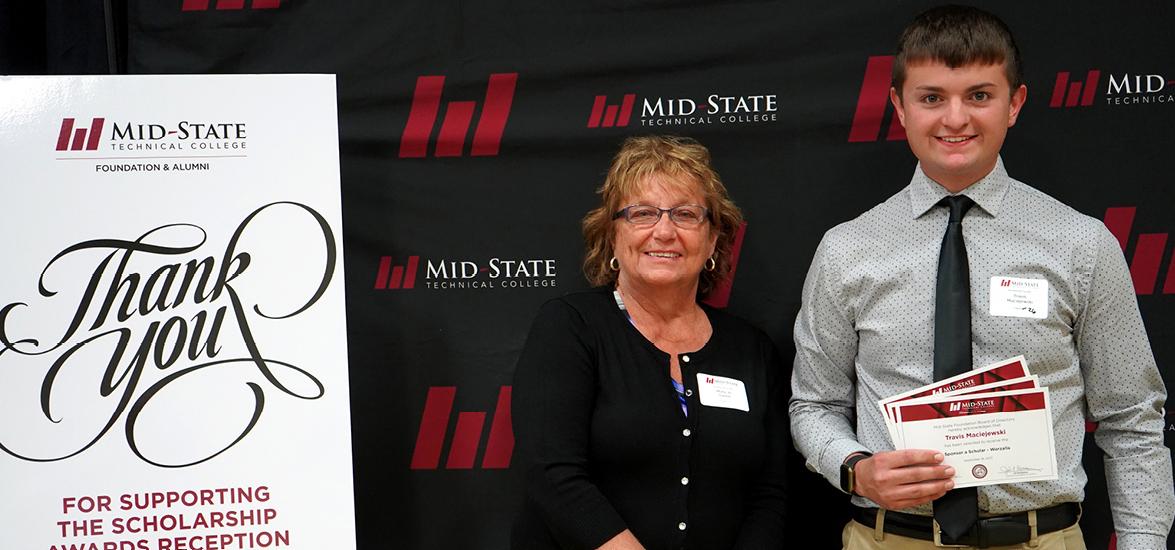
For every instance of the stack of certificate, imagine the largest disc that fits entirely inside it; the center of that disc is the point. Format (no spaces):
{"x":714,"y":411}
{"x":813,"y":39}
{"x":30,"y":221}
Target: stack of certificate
{"x":993,"y":424}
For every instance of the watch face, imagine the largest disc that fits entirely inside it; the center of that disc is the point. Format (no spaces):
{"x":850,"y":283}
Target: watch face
{"x":848,"y":478}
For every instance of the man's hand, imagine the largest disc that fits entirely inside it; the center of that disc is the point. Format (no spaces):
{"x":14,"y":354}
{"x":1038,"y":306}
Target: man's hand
{"x":905,"y":478}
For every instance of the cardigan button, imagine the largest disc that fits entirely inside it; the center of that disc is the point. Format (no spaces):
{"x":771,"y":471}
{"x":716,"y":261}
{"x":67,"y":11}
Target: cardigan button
{"x":689,"y":393}
{"x":685,"y":481}
{"x":685,"y":432}
{"x":681,"y":526}
{"x":685,"y":358}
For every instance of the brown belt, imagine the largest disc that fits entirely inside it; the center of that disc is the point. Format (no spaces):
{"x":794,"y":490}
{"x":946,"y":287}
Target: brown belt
{"x":987,"y":532}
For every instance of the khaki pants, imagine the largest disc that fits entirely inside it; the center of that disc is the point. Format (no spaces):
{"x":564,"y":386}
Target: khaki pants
{"x":858,"y":537}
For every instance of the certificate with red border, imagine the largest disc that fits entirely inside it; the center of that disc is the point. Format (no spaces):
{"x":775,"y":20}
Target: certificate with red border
{"x":1025,"y":383}
{"x":1002,"y":371}
{"x":989,"y":438}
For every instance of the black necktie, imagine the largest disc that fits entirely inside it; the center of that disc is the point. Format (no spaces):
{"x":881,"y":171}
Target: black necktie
{"x":958,"y":510}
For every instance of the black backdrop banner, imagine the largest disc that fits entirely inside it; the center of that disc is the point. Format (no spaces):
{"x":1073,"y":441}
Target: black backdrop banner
{"x":473,"y":136}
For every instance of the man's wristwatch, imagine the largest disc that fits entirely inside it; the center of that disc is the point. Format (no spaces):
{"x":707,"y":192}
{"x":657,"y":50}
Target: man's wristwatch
{"x":848,"y":476}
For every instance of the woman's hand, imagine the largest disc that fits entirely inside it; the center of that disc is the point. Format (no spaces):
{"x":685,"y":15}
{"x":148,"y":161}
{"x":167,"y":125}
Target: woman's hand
{"x":625,"y":540}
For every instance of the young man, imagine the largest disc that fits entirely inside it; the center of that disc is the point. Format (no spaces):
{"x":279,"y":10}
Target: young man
{"x":899,"y":297}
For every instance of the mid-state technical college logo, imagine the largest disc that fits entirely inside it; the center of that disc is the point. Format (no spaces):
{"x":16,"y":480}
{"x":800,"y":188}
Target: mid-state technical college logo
{"x":74,"y":139}
{"x":152,"y":142}
{"x":450,"y":142}
{"x":497,"y":273}
{"x":873,"y":104}
{"x":434,"y":423}
{"x":204,"y":5}
{"x":607,"y":116}
{"x":1072,"y":94}
{"x":465,"y":274}
{"x":1019,"y":284}
{"x":1116,"y":89}
{"x":1148,"y":252}
{"x":658,"y":111}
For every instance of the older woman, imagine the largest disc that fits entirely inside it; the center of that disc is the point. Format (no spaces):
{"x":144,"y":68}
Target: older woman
{"x":645,"y":419}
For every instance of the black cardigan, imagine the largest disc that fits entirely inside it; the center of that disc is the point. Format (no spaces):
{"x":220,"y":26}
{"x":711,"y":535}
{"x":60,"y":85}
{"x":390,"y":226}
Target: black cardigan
{"x":603,"y":444}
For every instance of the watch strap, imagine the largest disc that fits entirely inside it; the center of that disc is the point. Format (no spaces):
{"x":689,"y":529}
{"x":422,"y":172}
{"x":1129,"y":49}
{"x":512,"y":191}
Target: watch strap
{"x":848,"y":477}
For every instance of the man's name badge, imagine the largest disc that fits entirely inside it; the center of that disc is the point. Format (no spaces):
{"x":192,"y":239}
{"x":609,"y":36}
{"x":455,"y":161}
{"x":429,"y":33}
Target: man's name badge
{"x":1016,"y":297}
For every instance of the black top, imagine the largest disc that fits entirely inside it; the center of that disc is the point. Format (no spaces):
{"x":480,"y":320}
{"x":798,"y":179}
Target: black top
{"x":604,"y":446}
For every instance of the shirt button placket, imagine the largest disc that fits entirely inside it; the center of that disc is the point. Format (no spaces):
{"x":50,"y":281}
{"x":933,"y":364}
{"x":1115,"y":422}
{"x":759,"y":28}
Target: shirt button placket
{"x":687,"y":433}
{"x":685,"y":373}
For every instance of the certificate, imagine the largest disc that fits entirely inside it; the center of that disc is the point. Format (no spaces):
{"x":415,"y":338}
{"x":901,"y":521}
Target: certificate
{"x":1002,"y":371}
{"x":989,"y":438}
{"x":1025,"y":383}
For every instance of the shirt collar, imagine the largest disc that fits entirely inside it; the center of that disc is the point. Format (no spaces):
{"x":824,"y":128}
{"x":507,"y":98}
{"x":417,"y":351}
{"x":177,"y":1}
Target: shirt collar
{"x":987,"y":193}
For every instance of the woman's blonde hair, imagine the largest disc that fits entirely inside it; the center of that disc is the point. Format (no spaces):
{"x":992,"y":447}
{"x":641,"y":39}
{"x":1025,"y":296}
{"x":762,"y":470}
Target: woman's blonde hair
{"x":685,"y":162}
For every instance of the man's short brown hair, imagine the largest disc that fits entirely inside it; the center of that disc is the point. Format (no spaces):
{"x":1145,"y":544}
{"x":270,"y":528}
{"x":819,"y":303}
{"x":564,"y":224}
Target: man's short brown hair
{"x":957,"y":36}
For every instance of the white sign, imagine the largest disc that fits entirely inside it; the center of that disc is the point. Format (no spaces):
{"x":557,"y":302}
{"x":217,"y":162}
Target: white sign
{"x":173,"y":363}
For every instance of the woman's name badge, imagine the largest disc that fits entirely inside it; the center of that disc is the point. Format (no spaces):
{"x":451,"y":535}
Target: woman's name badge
{"x":1013,"y":297}
{"x":720,"y":391}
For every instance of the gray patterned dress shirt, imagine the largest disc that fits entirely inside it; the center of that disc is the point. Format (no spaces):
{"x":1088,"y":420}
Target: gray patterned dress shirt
{"x":866,"y":332}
